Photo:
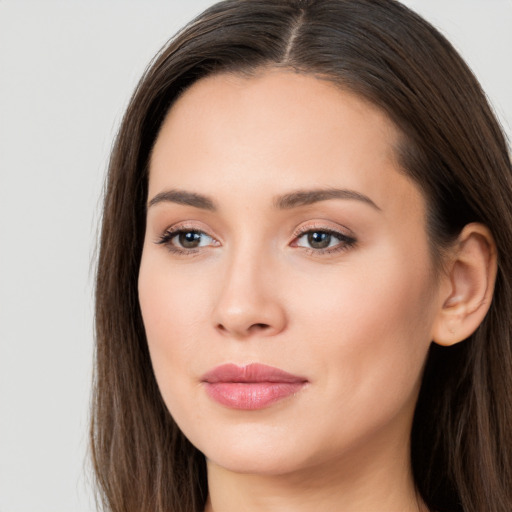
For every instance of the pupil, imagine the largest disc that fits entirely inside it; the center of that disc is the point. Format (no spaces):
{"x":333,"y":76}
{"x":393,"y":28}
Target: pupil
{"x":189,"y":240}
{"x":319,"y":240}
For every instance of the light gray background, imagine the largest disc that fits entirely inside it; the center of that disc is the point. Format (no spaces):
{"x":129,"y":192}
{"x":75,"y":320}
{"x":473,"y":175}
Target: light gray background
{"x":67,"y":70}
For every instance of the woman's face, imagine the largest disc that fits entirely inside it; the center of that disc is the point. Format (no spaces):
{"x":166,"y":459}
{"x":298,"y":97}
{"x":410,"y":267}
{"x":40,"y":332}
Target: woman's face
{"x":281,"y":232}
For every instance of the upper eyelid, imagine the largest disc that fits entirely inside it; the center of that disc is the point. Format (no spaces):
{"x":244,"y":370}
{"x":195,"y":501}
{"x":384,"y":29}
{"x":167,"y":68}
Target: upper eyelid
{"x":320,"y":226}
{"x":186,"y":226}
{"x":320,"y":229}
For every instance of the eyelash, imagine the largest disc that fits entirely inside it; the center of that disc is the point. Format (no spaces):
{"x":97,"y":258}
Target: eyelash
{"x":345,"y":242}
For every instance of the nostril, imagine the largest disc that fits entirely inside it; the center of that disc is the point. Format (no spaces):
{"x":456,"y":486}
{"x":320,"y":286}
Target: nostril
{"x":259,"y":327}
{"x":247,"y":330}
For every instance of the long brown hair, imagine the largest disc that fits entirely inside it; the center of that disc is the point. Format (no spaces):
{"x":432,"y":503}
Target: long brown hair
{"x":453,"y":148}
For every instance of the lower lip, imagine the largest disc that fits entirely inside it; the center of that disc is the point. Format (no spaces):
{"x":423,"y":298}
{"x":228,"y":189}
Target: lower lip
{"x":251,"y":395}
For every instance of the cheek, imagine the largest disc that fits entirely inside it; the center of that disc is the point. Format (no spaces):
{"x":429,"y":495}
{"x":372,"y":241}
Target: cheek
{"x":370,"y":318}
{"x":373,"y":327}
{"x":172,"y":308}
{"x":388,"y":293}
{"x":173,"y":299}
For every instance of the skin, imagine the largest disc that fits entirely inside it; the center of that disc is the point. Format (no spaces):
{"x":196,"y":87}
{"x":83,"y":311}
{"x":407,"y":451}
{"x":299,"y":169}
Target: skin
{"x":356,"y":323}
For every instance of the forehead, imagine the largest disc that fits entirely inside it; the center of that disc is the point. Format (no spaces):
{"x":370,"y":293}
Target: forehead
{"x":276,"y":131}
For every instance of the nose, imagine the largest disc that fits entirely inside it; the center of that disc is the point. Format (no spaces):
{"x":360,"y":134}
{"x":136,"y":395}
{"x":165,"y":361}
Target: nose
{"x":248,"y":303}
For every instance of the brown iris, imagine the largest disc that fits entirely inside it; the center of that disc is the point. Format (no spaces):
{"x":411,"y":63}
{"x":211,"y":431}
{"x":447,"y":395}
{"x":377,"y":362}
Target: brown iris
{"x":189,"y":239}
{"x":319,"y":240}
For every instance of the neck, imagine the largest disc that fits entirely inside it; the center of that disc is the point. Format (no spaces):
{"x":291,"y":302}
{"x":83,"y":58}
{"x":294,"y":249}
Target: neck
{"x":374,"y":478}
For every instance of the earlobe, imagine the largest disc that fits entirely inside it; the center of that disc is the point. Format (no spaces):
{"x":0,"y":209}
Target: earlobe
{"x":471,"y":275}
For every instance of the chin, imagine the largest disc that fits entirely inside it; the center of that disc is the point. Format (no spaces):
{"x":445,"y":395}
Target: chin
{"x":255,"y":462}
{"x":251,"y":449}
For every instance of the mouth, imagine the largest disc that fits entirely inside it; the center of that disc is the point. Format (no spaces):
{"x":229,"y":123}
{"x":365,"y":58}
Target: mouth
{"x":251,"y":387}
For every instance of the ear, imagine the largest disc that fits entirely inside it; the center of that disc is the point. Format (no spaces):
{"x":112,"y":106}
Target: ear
{"x":469,"y":285}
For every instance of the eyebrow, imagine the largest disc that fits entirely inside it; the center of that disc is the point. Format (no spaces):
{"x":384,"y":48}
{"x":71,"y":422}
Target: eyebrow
{"x":284,"y":202}
{"x":307,"y":197}
{"x":185,"y":198}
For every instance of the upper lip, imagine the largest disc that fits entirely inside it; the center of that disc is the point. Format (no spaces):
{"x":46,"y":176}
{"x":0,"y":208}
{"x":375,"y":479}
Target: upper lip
{"x":254,"y":372}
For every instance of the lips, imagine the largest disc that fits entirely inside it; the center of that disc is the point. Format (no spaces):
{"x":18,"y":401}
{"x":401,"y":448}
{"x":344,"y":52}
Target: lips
{"x":250,"y":387}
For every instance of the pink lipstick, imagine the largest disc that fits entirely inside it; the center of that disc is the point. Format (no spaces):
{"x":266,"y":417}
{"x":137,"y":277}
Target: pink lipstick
{"x":250,"y":387}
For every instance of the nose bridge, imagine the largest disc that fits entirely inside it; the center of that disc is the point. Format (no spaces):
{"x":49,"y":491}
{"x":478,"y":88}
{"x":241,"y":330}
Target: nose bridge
{"x":248,"y":302}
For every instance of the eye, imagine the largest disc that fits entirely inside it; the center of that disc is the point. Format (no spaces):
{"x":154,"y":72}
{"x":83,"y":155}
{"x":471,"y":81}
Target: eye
{"x":323,"y":240}
{"x":181,"y":240}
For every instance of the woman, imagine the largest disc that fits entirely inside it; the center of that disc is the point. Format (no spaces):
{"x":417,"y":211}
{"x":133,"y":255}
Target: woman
{"x":303,"y":196}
